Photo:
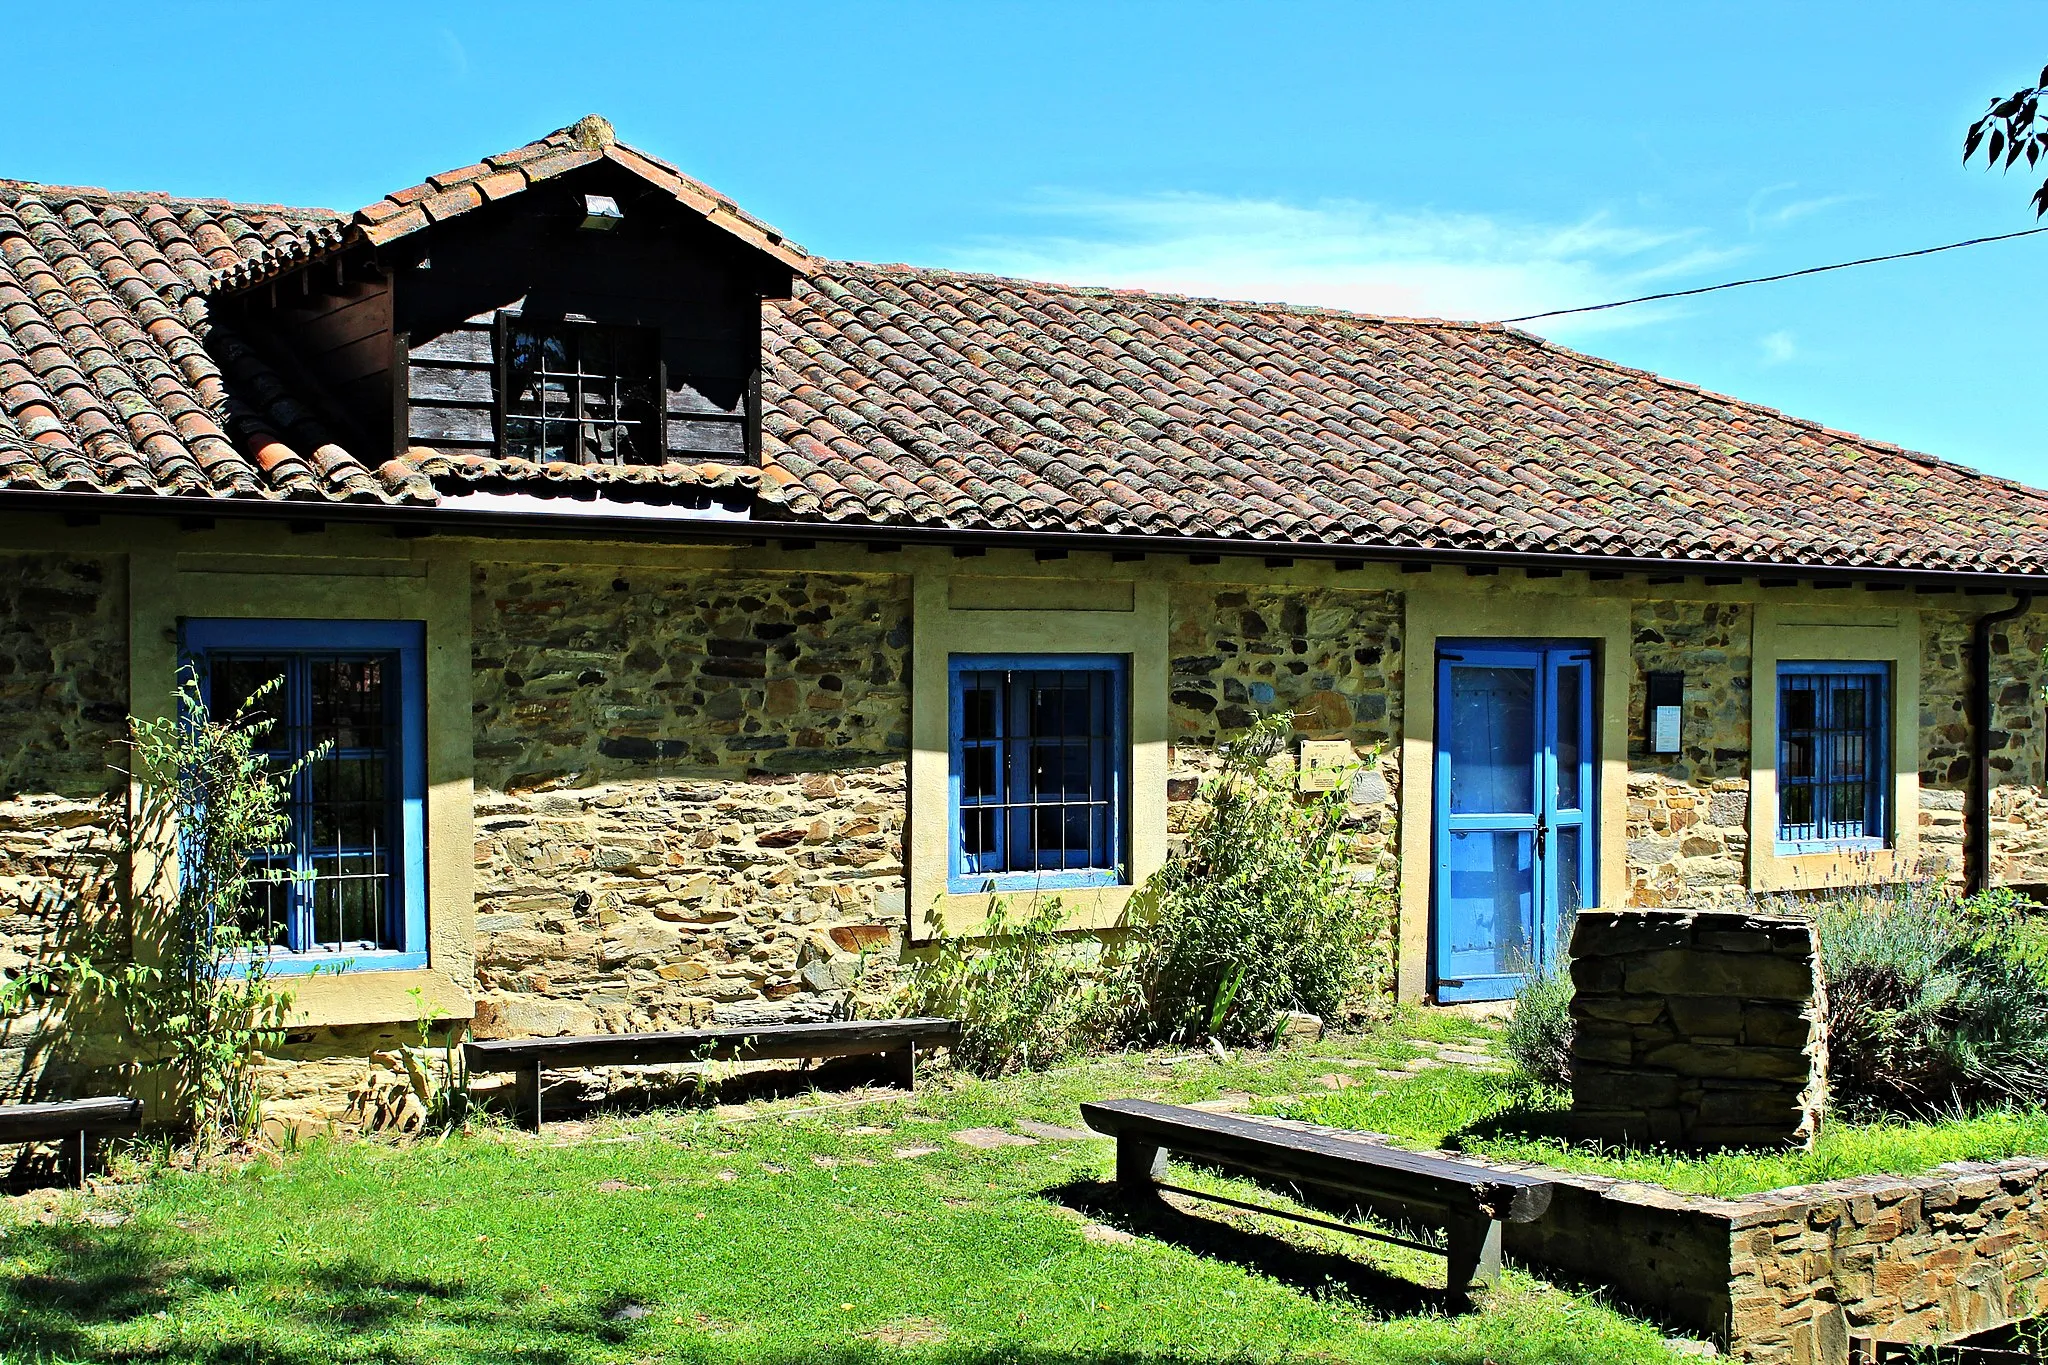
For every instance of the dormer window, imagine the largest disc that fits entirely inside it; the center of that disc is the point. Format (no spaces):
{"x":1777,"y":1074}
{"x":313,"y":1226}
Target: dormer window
{"x":580,"y":392}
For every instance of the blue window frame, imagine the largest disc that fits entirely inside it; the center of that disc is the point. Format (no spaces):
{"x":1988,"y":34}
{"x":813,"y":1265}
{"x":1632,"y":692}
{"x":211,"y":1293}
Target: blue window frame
{"x":1834,"y":773}
{"x":354,"y":892}
{"x":1040,"y":768}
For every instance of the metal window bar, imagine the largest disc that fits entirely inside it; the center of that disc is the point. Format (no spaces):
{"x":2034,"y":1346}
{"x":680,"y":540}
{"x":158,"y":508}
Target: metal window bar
{"x":1830,"y":768}
{"x":335,"y":883}
{"x":1035,"y":781}
{"x":582,"y":393}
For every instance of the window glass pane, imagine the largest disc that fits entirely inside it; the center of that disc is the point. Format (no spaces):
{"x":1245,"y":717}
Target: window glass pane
{"x":1831,"y":754}
{"x":1801,"y":711}
{"x":1570,"y":691}
{"x":234,"y":683}
{"x":335,"y":881}
{"x":978,"y":713}
{"x":1848,"y":709}
{"x":347,"y":702}
{"x":1035,"y":766}
{"x":1492,"y":740}
{"x":978,"y":834}
{"x":265,"y":916}
{"x":1571,"y":897}
{"x":978,"y":774}
{"x":583,"y":393}
{"x":1490,"y":902}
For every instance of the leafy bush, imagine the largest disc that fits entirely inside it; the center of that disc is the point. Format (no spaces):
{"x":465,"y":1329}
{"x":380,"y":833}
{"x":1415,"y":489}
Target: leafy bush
{"x":1026,"y":994}
{"x":1934,"y":1003}
{"x":1538,"y":1036}
{"x":1258,"y":913}
{"x":173,"y":969}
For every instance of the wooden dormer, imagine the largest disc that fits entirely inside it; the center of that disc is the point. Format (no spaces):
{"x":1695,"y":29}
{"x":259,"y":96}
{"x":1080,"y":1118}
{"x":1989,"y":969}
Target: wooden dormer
{"x":571,"y":301}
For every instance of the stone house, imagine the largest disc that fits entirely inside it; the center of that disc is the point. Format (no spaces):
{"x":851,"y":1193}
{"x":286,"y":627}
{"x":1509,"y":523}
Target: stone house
{"x":696,"y":619}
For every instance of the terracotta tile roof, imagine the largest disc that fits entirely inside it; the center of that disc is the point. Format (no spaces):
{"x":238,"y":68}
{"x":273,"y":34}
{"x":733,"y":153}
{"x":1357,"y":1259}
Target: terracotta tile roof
{"x":113,"y":376}
{"x":934,"y":398}
{"x":453,"y":193}
{"x":896,"y":396}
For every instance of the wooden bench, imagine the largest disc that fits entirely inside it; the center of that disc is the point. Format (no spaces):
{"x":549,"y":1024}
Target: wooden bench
{"x":897,"y":1039}
{"x":1467,"y":1202}
{"x":70,"y":1121}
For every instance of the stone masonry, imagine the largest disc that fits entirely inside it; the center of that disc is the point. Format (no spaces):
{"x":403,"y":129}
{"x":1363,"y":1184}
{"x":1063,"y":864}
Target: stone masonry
{"x":1688,"y":812}
{"x":1698,"y":1029}
{"x":1331,"y":658}
{"x":1787,"y":1277}
{"x":690,"y":794}
{"x":63,"y":708}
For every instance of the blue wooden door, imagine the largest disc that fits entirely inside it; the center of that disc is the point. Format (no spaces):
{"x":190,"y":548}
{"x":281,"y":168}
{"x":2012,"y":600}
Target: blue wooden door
{"x":1514,"y":811}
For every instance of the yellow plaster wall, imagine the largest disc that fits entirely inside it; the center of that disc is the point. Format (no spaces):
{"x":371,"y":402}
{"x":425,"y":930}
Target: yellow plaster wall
{"x":1005,"y":601}
{"x":1819,"y":631}
{"x":975,"y":613}
{"x":254,"y":570}
{"x":1499,"y":607}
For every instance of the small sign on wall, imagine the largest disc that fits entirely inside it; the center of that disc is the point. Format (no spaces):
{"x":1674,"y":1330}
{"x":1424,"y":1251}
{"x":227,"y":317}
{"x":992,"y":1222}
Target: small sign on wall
{"x":1325,"y":763}
{"x":1663,"y":712}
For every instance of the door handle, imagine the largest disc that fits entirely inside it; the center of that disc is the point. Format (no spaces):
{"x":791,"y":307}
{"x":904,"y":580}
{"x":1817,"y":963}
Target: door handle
{"x":1542,"y":835}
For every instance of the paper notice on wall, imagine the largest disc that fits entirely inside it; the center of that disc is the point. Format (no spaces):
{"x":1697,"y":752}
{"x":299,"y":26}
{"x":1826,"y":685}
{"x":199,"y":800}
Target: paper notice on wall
{"x":1664,"y":729}
{"x":1325,"y":763}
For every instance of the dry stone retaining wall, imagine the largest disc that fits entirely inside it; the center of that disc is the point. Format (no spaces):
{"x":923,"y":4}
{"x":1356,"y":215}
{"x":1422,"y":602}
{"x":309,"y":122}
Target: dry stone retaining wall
{"x":1787,"y":1277}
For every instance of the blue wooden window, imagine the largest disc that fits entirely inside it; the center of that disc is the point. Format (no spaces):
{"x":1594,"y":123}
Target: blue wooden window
{"x":1834,"y":720}
{"x":1040,"y":766}
{"x":354,"y":891}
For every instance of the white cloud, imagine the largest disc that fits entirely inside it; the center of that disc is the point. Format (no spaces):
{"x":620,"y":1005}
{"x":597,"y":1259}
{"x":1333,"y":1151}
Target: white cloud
{"x":1778,"y":347}
{"x":1348,"y":254}
{"x":1763,"y":213}
{"x":456,"y":53}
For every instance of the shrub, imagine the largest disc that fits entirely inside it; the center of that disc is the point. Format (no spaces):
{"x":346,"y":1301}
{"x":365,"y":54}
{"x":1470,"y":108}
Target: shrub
{"x":173,"y":969}
{"x":1258,"y":913}
{"x":1934,"y":1003}
{"x":1026,"y":994}
{"x":1538,"y":1036}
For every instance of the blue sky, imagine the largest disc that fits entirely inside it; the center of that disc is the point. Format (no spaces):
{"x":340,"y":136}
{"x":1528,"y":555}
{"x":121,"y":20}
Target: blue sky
{"x":1477,"y":160}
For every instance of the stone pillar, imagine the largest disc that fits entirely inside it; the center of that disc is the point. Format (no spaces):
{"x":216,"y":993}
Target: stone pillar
{"x":1697,"y":1029}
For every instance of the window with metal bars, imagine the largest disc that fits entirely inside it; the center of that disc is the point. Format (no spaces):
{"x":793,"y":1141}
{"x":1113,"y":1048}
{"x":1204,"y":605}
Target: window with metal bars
{"x":580,"y":392}
{"x":1833,"y":774}
{"x":1040,"y":766}
{"x":347,"y":886}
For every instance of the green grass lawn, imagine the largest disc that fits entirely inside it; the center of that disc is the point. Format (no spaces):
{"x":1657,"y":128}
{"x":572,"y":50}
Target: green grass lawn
{"x":791,"y":1236}
{"x":1504,"y":1116}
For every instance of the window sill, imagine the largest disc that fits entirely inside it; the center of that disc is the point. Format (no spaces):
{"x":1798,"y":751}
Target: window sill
{"x":1018,"y":883}
{"x":374,"y":997}
{"x":1807,"y":848}
{"x":1088,"y":907}
{"x":1831,"y":869}
{"x":301,"y":965}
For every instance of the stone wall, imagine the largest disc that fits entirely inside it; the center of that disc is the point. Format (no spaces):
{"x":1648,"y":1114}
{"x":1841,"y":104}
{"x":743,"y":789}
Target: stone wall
{"x":1688,"y":812}
{"x":1331,"y":657}
{"x":63,"y":709}
{"x":1789,"y":1276}
{"x":690,"y":793}
{"x":1700,"y":1029}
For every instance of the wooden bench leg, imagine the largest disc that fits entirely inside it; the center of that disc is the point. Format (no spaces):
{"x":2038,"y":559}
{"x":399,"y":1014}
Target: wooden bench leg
{"x":903,"y":1066}
{"x":1140,"y":1165}
{"x":1472,"y":1247}
{"x":526,"y":1097}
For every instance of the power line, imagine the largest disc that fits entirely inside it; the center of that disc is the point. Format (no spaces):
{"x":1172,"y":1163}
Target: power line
{"x":1768,"y":279}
